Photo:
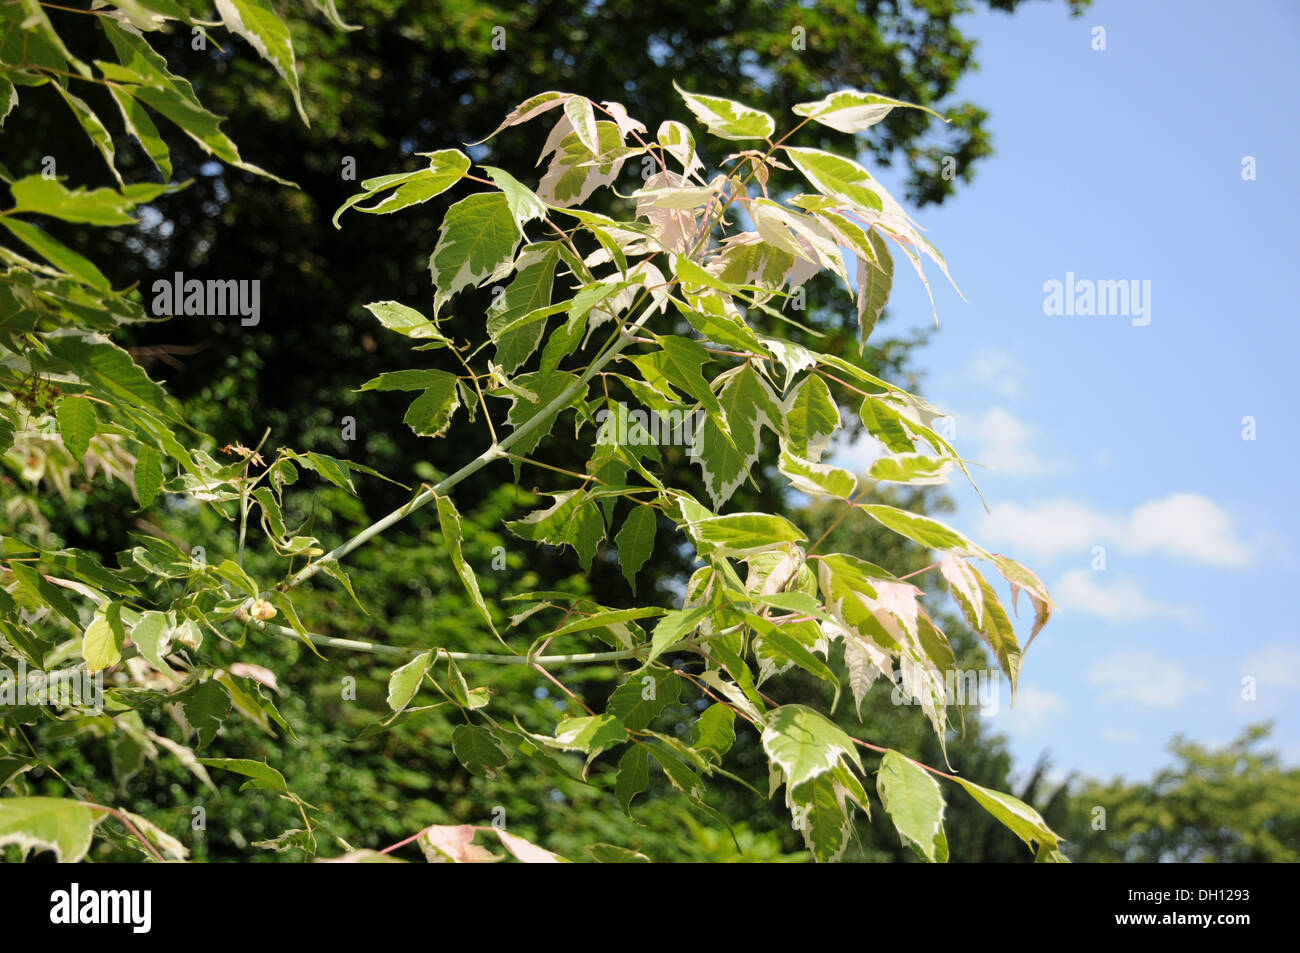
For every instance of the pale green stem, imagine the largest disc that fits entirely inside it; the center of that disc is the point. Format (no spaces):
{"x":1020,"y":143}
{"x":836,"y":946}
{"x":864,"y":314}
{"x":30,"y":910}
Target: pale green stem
{"x":377,"y":648}
{"x":493,"y":452}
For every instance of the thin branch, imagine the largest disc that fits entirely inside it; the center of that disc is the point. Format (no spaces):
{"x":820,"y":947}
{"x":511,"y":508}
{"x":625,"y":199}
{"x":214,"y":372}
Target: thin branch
{"x":378,"y":648}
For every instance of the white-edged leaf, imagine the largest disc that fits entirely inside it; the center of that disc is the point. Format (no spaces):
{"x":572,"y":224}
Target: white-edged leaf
{"x":256,"y":22}
{"x":405,"y":681}
{"x":914,"y":803}
{"x":49,"y":823}
{"x":449,"y":519}
{"x":726,"y":118}
{"x":850,"y":110}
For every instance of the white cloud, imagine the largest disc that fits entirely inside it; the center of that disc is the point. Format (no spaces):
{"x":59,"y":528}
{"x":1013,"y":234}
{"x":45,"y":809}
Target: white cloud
{"x":1188,"y":525}
{"x":1275,"y":665}
{"x":1005,"y":445}
{"x":1036,"y":703}
{"x":1120,"y":735}
{"x":1183,"y":525}
{"x":1144,"y":678}
{"x":1044,"y":529}
{"x":1082,"y":590}
{"x":995,"y":370}
{"x":1033,"y":710}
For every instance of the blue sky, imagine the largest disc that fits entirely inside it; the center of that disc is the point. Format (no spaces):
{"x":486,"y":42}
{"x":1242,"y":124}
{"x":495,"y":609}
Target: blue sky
{"x":1127,"y":164}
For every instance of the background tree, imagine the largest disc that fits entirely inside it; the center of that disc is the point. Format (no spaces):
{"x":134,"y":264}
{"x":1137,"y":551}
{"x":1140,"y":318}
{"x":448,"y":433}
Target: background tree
{"x":1235,"y":804}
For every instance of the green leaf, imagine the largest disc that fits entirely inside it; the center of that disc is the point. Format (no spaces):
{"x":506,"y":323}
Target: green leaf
{"x":41,"y":592}
{"x":915,"y":804}
{"x":206,"y":705}
{"x":77,"y":423}
{"x":639,"y":700}
{"x":260,"y":774}
{"x":139,"y":124}
{"x":523,"y":201}
{"x":234,"y":573}
{"x":822,"y":814}
{"x":405,"y":320}
{"x":109,"y":368}
{"x":875,"y":279}
{"x":804,"y":743}
{"x":169,"y":95}
{"x":680,"y":362}
{"x":674,"y":627}
{"x":331,"y":13}
{"x":633,"y":776}
{"x":583,"y":119}
{"x":411,"y":379}
{"x":743,"y":534}
{"x":779,"y":645}
{"x":530,"y":108}
{"x":817,"y":479}
{"x":449,"y":519}
{"x":405,"y":681}
{"x":715,"y":730}
{"x":478,"y":233}
{"x":850,"y":110}
{"x":479,"y":750}
{"x":965,"y":581}
{"x":256,"y":22}
{"x":148,"y":474}
{"x":8,"y":99}
{"x":50,"y":823}
{"x":811,"y":418}
{"x":997,"y":630}
{"x":57,"y":254}
{"x":446,"y":168}
{"x":35,"y":193}
{"x":152,"y":636}
{"x":591,"y":734}
{"x":1022,"y":578}
{"x":836,"y":177}
{"x":93,"y":126}
{"x":725,"y":456}
{"x":726,"y":118}
{"x":101,"y":644}
{"x":430,"y":414}
{"x":573,"y":520}
{"x":576,"y":171}
{"x":918,"y":528}
{"x":1023,"y":820}
{"x":915,"y":469}
{"x":547,"y":387}
{"x":613,"y":854}
{"x":518,"y":317}
{"x":636,"y":540}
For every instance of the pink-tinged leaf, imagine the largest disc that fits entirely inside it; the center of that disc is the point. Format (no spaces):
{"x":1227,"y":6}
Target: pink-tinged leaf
{"x":583,"y":119}
{"x":454,"y":844}
{"x":257,"y":673}
{"x":525,"y":851}
{"x":529,"y":109}
{"x":626,"y":124}
{"x":961,"y":577}
{"x":1022,"y":578}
